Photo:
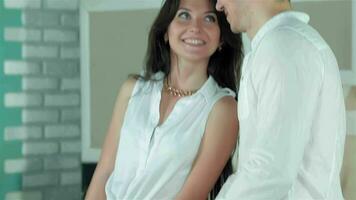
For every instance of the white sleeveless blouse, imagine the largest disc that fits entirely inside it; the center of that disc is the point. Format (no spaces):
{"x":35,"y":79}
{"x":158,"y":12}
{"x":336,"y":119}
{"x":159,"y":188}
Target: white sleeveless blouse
{"x":153,"y":161}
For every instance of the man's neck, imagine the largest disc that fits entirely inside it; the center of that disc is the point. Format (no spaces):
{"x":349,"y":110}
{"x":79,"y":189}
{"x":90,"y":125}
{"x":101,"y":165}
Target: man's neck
{"x":259,"y":18}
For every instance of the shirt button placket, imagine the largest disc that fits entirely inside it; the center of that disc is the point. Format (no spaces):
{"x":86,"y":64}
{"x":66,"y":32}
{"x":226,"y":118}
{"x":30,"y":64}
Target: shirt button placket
{"x":141,"y":162}
{"x":147,"y":144}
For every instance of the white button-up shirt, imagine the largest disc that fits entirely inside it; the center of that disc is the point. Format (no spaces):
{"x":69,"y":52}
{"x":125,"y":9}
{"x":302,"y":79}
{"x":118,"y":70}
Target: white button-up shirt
{"x":153,"y":162}
{"x":292,"y":116}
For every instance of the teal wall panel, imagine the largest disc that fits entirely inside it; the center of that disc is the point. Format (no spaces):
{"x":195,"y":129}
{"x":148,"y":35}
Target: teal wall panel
{"x":9,"y":116}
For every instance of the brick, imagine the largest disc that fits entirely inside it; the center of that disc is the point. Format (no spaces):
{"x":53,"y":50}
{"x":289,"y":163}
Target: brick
{"x":70,"y":84}
{"x":62,"y":5}
{"x":24,"y":195}
{"x":22,"y":165}
{"x":62,"y":99}
{"x":22,"y":34}
{"x":70,"y":52}
{"x":39,"y":18}
{"x":22,"y":4}
{"x":62,"y":131}
{"x":39,"y":51}
{"x":71,"y":146}
{"x":71,"y":178}
{"x":14,"y":67}
{"x":71,"y":20}
{"x":38,"y":83}
{"x":72,"y":192}
{"x":40,"y":180}
{"x":63,"y":69}
{"x":53,"y":35}
{"x":39,"y":148}
{"x":69,"y":115}
{"x":23,"y":133}
{"x":39,"y":116}
{"x":22,"y":99}
{"x":61,"y":162}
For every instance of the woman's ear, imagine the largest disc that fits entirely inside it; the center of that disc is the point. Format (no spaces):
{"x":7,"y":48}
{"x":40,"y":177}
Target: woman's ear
{"x":220,"y":45}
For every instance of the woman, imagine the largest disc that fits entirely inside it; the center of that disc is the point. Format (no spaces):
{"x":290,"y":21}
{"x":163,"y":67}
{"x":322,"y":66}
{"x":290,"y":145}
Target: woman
{"x":174,"y":128}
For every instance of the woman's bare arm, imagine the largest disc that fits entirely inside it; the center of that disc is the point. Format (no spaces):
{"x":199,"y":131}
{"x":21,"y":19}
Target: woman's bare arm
{"x":105,"y":166}
{"x":215,"y":149}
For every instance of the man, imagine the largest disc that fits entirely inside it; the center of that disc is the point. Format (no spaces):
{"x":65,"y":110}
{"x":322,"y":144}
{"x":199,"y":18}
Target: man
{"x":290,"y":107}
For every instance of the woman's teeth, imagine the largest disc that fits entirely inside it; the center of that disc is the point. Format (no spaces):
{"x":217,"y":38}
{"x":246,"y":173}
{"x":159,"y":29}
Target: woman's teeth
{"x":194,"y":41}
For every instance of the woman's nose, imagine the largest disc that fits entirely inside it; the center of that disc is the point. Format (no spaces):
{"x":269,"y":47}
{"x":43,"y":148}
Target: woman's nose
{"x":195,"y":26}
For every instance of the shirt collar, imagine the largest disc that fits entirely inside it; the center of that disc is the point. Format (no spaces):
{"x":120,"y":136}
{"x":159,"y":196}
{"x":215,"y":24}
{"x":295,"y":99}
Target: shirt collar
{"x":275,"y":21}
{"x":208,"y":87}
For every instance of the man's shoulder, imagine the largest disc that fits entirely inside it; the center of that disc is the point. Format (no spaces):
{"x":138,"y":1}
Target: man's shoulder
{"x":291,"y":40}
{"x":294,"y":33}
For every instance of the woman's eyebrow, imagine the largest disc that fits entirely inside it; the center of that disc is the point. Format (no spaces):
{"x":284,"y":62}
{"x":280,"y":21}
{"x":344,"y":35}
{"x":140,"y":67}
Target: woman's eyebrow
{"x":207,"y":12}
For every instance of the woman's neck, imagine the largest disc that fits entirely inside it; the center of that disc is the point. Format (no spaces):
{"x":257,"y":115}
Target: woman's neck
{"x":187,"y":75}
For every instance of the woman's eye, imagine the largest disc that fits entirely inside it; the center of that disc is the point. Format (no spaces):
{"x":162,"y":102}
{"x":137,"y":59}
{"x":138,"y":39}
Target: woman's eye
{"x":210,"y":18}
{"x":183,"y":15}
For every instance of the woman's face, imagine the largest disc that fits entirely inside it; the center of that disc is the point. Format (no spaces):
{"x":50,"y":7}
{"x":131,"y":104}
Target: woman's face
{"x":194,"y":32}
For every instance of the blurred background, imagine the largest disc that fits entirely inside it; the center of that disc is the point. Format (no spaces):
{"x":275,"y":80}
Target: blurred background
{"x":61,"y":64}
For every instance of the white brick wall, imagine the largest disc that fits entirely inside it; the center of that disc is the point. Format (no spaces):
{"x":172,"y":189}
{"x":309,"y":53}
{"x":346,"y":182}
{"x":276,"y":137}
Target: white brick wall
{"x":22,"y":165}
{"x":49,"y":100}
{"x":69,"y":115}
{"x":22,"y":34}
{"x":40,"y":148}
{"x":71,"y":178}
{"x":62,"y":162}
{"x":22,"y":99}
{"x":39,"y":116}
{"x":39,"y":51}
{"x":71,"y":146}
{"x":70,"y":20}
{"x":53,"y":35}
{"x":21,"y":195}
{"x":39,"y":18}
{"x":39,"y":83}
{"x":62,"y":100}
{"x":70,"y":84}
{"x":62,"y":4}
{"x":19,"y":4}
{"x":20,"y":67}
{"x":35,"y":180}
{"x":23,"y":133}
{"x":62,"y":69}
{"x":71,"y":192}
{"x":70,"y":52}
{"x":62,"y":131}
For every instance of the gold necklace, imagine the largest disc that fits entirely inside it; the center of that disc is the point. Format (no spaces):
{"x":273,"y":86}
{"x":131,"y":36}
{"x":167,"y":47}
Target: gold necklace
{"x":175,"y":91}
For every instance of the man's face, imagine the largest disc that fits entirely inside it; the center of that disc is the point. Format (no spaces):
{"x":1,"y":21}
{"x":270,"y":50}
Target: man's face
{"x":237,"y":13}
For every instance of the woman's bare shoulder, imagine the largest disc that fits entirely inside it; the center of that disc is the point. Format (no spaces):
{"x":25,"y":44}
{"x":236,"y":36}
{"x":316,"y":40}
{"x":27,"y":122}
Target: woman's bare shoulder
{"x":127,"y":87}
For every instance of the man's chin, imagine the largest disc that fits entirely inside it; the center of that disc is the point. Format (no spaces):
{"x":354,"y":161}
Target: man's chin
{"x":235,"y":29}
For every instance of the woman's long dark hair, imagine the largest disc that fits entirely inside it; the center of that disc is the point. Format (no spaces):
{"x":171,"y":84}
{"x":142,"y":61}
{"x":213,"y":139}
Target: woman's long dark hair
{"x":224,"y":65}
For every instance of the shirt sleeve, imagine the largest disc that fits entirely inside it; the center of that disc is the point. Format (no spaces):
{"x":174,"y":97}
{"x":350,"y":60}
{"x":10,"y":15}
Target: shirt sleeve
{"x":286,"y":83}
